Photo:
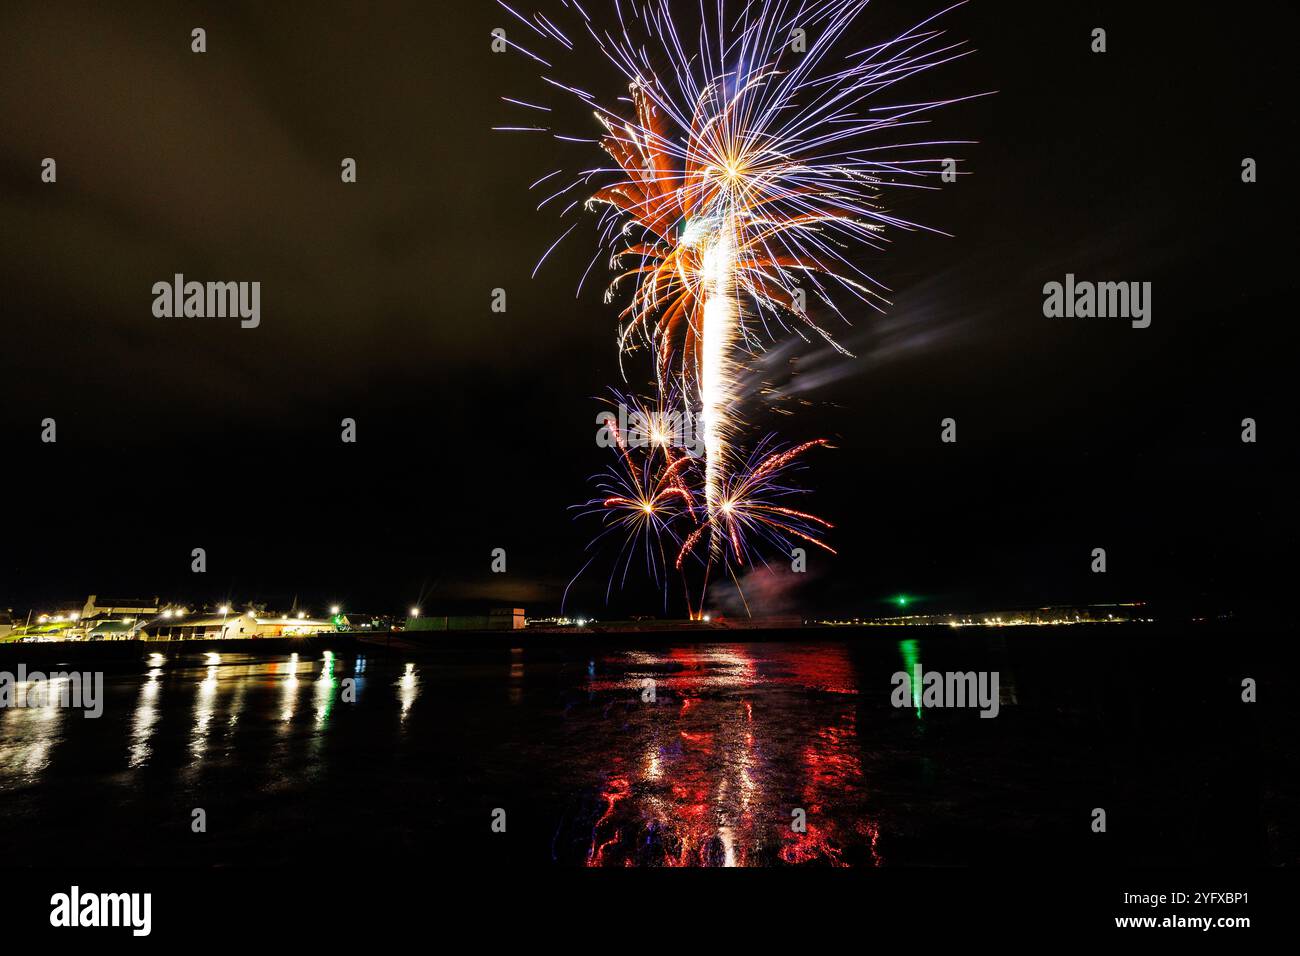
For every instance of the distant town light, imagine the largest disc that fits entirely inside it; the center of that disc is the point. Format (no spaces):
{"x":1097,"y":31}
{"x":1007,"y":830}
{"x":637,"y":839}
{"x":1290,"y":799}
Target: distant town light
{"x":167,"y":613}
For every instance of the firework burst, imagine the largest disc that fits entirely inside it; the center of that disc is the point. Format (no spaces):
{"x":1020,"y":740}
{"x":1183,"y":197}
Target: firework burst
{"x":646,"y":496}
{"x":747,"y":161}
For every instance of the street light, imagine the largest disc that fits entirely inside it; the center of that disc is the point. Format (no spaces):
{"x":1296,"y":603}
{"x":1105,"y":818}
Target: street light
{"x":335,"y":609}
{"x":415,"y":612}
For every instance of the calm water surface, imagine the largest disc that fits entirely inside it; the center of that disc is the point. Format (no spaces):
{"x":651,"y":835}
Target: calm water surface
{"x":708,"y":773}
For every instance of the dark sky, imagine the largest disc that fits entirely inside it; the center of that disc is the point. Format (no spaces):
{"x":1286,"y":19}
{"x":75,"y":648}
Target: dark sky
{"x":476,"y":429}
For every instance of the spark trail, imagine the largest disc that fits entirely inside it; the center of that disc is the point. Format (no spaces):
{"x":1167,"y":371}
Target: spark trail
{"x":748,"y":161}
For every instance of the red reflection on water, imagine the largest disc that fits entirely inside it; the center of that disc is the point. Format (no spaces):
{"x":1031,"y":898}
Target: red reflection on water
{"x":711,"y":778}
{"x":832,"y":773}
{"x":617,"y":790}
{"x":820,"y":668}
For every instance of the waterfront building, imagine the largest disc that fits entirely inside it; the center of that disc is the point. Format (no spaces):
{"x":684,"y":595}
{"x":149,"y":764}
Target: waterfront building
{"x":231,"y":627}
{"x":107,"y":630}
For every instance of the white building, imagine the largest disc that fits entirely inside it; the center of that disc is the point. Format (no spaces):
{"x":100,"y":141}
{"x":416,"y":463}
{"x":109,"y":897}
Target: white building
{"x":230,"y":627}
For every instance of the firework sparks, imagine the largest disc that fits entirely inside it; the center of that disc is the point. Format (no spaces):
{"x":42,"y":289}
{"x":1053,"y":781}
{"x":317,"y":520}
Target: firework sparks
{"x":748,"y":161}
{"x":751,"y":508}
{"x":646,"y":495}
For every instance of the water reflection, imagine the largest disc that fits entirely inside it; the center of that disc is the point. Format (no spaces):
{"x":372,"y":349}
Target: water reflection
{"x":736,"y":745}
{"x":324,"y":695}
{"x":351,"y":694}
{"x":408,"y":688}
{"x":28,"y":735}
{"x":145,"y":716}
{"x":515,"y":688}
{"x":289,"y":689}
{"x":833,"y":776}
{"x":237,"y":696}
{"x":912,"y":665}
{"x":204,"y":707}
{"x":716,"y":766}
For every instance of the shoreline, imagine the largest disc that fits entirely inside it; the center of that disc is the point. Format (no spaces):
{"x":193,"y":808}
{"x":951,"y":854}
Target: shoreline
{"x":426,"y":642}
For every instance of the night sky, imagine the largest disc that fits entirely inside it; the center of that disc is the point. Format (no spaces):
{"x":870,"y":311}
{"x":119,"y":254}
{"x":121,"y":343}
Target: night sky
{"x":476,"y":429}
